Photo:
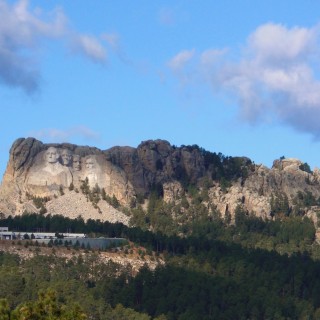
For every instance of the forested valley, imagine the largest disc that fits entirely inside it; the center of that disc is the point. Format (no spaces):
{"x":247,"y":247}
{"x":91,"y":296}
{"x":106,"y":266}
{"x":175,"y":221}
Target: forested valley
{"x":214,"y":269}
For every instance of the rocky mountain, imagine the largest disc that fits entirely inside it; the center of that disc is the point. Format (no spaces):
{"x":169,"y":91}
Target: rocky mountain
{"x":75,"y":180}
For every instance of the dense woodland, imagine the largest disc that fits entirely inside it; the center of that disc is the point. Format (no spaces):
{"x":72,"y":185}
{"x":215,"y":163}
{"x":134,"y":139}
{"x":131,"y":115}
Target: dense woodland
{"x":239,"y":267}
{"x":249,"y":269}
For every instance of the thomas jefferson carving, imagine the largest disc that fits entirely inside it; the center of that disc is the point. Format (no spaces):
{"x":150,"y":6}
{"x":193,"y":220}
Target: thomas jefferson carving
{"x":66,"y":157}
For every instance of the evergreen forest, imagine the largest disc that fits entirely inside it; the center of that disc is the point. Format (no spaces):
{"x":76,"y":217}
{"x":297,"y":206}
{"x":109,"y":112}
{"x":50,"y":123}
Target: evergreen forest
{"x":247,"y":269}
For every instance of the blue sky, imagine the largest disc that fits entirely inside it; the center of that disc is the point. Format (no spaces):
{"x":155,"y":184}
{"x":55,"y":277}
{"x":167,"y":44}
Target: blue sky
{"x":237,"y":77}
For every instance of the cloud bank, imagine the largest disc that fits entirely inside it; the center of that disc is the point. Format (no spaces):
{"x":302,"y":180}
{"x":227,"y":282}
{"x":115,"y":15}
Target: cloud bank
{"x":21,"y":32}
{"x":274,"y":77}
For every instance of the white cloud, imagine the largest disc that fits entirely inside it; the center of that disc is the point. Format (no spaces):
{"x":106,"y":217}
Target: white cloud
{"x":274,"y":42}
{"x":21,"y":32}
{"x":274,"y":78}
{"x":89,"y":46}
{"x":275,"y":75}
{"x":58,"y":135}
{"x":179,"y":61}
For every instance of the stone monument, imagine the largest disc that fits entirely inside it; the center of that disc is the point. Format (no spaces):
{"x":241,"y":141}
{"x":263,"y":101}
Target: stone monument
{"x":48,"y":173}
{"x":66,"y":157}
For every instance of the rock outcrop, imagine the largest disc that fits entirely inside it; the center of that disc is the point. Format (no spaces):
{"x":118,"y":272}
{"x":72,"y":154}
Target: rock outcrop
{"x":156,"y":162}
{"x":46,"y":171}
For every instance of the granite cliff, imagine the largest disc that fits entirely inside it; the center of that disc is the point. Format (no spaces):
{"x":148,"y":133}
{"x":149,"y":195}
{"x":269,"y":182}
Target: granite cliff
{"x":55,"y":178}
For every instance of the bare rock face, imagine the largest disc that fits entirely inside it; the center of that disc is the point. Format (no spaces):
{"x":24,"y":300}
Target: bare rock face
{"x":50,"y":170}
{"x":254,"y":194}
{"x":237,"y":195}
{"x":172,"y":191}
{"x":156,"y":162}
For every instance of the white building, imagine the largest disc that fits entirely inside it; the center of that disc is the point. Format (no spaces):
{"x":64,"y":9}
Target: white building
{"x":5,"y":234}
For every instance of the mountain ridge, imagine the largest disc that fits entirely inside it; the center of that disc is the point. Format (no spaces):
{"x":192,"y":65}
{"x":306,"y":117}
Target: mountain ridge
{"x":74,"y":180}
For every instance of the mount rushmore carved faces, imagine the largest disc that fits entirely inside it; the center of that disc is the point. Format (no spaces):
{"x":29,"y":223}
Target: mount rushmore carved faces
{"x":52,"y":155}
{"x":52,"y":172}
{"x":66,"y":157}
{"x":56,"y":166}
{"x":59,"y":173}
{"x":92,"y":171}
{"x":76,"y":163}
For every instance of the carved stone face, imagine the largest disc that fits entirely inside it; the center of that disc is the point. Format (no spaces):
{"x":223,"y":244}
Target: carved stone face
{"x":66,"y":157}
{"x":76,"y":164}
{"x":52,"y":155}
{"x":90,"y":163}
